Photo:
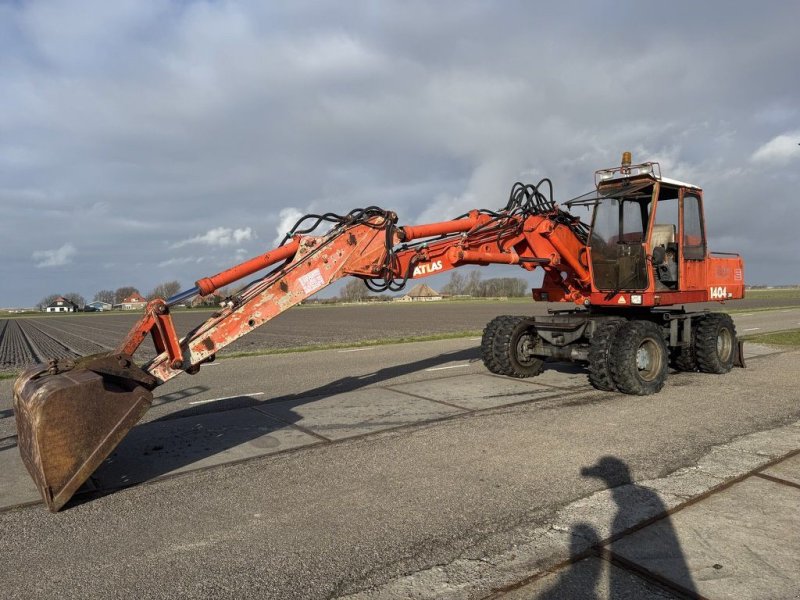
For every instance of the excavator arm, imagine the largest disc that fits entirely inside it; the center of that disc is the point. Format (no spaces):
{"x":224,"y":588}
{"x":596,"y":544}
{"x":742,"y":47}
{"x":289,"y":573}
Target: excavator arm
{"x":72,"y":414}
{"x":370,"y":247}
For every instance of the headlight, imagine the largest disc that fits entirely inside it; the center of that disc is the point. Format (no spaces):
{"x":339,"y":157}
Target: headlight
{"x":636,"y":298}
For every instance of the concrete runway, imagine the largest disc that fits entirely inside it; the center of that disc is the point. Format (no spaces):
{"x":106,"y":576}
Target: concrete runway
{"x":320,"y":474}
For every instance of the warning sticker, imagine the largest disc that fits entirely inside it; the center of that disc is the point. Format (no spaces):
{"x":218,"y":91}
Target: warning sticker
{"x":312,"y":281}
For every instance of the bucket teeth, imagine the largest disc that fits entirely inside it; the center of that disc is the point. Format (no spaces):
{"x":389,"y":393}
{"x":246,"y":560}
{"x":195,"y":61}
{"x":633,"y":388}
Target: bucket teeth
{"x":71,"y":416}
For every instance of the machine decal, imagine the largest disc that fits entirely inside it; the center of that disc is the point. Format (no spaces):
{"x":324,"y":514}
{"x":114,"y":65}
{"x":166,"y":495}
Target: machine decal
{"x":719,"y":293}
{"x":311,"y":281}
{"x":621,"y":300}
{"x":427,"y":268}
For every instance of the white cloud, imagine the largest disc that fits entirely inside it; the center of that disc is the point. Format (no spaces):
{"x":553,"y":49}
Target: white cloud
{"x":288,"y":217}
{"x":171,"y":262}
{"x":219,"y":236}
{"x":779,"y":150}
{"x":54,"y":258}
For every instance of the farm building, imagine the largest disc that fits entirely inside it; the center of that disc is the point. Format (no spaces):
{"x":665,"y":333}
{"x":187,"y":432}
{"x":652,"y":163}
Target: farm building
{"x":61,"y":305}
{"x":420,"y":293}
{"x":133,"y":302}
{"x":212,"y":299}
{"x":99,"y":305}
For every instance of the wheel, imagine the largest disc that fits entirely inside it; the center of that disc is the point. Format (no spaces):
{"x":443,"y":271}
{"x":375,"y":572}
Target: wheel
{"x":715,"y":345}
{"x":506,"y":347}
{"x":487,"y":345}
{"x":638,"y":358}
{"x":599,"y":345}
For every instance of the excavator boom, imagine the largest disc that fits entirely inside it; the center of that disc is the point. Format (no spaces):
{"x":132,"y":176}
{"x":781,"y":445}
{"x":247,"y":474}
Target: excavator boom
{"x":72,"y":414}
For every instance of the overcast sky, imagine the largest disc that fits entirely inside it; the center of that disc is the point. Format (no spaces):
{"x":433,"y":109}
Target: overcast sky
{"x":147,"y":141}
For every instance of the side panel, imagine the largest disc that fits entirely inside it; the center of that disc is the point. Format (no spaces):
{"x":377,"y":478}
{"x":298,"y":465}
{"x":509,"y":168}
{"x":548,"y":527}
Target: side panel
{"x":725,"y":277}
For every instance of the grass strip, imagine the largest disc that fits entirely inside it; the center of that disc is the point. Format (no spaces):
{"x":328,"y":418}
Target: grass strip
{"x":759,"y":309}
{"x":789,"y":337}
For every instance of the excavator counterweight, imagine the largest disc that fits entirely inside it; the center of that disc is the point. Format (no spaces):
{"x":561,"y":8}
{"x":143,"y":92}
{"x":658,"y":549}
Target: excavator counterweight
{"x":622,"y":273}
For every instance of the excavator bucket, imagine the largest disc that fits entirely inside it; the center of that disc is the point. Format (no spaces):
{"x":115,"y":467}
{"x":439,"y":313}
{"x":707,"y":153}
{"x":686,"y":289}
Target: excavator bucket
{"x":72,"y":414}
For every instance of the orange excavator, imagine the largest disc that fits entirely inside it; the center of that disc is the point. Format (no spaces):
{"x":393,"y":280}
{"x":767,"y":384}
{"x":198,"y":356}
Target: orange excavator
{"x":643,"y":253}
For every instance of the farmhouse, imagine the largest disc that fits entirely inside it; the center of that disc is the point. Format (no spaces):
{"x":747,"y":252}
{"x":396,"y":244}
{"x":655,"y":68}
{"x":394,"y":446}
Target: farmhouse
{"x":61,"y":305}
{"x":133,"y":302}
{"x":420,"y":293}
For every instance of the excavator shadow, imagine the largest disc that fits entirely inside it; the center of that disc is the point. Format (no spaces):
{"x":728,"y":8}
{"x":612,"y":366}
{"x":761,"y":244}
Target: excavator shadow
{"x":243,"y":427}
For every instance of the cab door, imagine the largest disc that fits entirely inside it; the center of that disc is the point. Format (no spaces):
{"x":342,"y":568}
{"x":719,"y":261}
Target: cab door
{"x":692,"y":245}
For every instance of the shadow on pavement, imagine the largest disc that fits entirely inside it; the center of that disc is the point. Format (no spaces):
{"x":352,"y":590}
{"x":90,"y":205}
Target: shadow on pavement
{"x":199,"y":433}
{"x":581,"y":578}
{"x":179,"y":395}
{"x":339,"y":386}
{"x":634,"y":504}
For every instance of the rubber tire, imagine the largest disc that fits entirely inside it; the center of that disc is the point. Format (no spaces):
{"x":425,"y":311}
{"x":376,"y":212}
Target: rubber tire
{"x":708,"y":330}
{"x":487,"y":345}
{"x":622,"y":358}
{"x":599,"y":347}
{"x":499,"y":347}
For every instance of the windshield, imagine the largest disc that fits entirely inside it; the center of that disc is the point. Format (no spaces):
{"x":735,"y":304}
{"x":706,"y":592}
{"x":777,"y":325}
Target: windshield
{"x":619,"y":227}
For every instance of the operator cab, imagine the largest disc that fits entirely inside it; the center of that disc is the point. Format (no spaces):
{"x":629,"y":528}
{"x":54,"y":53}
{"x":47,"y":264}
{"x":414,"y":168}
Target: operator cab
{"x":643,"y":228}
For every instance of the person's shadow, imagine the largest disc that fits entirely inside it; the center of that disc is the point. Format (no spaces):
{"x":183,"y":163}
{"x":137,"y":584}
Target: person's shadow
{"x":581,"y":578}
{"x":635,"y":503}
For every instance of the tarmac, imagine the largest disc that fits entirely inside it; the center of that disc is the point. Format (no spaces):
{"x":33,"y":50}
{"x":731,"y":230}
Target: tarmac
{"x":410,"y":472}
{"x":740,"y":539}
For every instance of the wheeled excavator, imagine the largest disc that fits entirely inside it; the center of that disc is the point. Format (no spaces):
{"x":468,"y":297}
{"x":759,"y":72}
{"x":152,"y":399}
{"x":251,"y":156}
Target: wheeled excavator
{"x":626,"y":274}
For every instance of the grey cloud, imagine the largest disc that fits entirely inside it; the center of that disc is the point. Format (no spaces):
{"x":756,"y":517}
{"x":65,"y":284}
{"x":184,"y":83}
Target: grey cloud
{"x":132,"y":125}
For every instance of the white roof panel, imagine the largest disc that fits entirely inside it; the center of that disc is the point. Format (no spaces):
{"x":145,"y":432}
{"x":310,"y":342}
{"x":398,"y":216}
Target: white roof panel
{"x":678,"y":183}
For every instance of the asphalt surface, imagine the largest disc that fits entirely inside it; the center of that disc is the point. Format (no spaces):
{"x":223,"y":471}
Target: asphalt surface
{"x":337,"y":517}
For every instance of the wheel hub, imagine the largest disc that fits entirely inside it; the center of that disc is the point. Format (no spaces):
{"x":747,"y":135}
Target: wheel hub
{"x":525,"y":347}
{"x":724,"y":344}
{"x":642,"y":359}
{"x":648,"y":360}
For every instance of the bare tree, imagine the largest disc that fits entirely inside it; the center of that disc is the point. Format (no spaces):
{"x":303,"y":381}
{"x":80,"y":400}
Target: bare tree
{"x":123,"y":293}
{"x":472,"y":286}
{"x":455,"y":287}
{"x":503,"y":287}
{"x":355,"y":291}
{"x":104,"y":296}
{"x":165,"y":290}
{"x":76,"y":299}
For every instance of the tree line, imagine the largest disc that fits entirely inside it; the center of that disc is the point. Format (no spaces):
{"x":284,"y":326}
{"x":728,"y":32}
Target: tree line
{"x":460,"y":284}
{"x":471,"y":284}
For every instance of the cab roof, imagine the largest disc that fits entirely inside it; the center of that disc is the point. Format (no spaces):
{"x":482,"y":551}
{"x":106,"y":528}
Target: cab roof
{"x":677,"y":183}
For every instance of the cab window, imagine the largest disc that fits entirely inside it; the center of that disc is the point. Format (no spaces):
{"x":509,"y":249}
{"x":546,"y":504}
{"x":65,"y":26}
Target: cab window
{"x":694,"y":243}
